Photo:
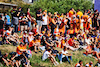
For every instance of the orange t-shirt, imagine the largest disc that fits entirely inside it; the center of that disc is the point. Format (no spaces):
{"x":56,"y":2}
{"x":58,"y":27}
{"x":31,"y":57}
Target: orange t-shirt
{"x":24,"y":47}
{"x":38,"y":40}
{"x":31,"y":43}
{"x":18,"y":50}
{"x":70,"y":13}
{"x":85,"y":16}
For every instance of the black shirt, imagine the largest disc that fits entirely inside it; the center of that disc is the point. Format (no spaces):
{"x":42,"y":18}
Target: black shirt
{"x":12,"y":13}
{"x":15,"y":14}
{"x":54,"y":51}
{"x":38,"y":17}
{"x":1,"y":24}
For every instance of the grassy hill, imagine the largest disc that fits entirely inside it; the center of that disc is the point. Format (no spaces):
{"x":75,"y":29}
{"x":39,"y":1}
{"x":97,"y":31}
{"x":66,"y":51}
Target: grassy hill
{"x":37,"y":62}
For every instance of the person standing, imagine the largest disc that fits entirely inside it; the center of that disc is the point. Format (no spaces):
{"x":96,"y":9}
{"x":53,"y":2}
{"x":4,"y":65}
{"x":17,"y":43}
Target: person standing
{"x":29,"y":19}
{"x":79,"y":13}
{"x":95,"y":23}
{"x":12,"y":14}
{"x":1,"y":25}
{"x":39,"y":19}
{"x":7,"y":21}
{"x":45,"y":20}
{"x":16,"y":16}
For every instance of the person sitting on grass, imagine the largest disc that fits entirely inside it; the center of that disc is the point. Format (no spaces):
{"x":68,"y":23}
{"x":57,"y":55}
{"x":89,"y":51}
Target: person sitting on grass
{"x":21,"y":60}
{"x":90,"y":64}
{"x":80,"y":64}
{"x":30,"y":37}
{"x":98,"y":63}
{"x":8,"y":38}
{"x":64,"y":54}
{"x":97,"y":51}
{"x":88,"y":50}
{"x":38,"y":42}
{"x":47,"y":55}
{"x":20,"y":49}
{"x":12,"y":59}
{"x":7,"y":61}
{"x":22,"y":53}
{"x":13,"y":33}
{"x":33,"y":45}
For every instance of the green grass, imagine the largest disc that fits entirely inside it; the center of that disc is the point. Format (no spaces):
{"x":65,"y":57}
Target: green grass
{"x":37,"y":62}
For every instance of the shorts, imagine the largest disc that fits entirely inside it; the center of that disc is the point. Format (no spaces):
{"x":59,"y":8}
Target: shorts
{"x":29,"y":23}
{"x":39,"y":22}
{"x":23,"y":27}
{"x":1,"y":31}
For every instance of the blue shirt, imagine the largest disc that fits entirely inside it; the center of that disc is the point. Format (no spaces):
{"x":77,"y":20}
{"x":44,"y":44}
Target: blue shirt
{"x":96,"y":49}
{"x":8,"y":20}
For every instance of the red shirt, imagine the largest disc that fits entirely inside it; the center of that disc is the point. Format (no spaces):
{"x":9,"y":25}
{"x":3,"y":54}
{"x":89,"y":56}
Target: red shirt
{"x":29,"y":14}
{"x":70,"y":42}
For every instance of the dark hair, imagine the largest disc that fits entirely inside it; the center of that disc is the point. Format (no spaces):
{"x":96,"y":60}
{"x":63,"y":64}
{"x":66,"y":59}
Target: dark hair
{"x":64,"y":47}
{"x":71,"y":8}
{"x":28,"y":8}
{"x":37,"y":37}
{"x":0,"y":16}
{"x":14,"y":6}
{"x":5,"y":13}
{"x":49,"y":49}
{"x":34,"y":39}
{"x":78,"y":9}
{"x":80,"y":61}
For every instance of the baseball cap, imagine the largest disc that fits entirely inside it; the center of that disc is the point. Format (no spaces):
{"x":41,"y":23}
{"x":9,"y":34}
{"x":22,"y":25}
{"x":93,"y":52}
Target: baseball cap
{"x":19,"y":7}
{"x":30,"y":33}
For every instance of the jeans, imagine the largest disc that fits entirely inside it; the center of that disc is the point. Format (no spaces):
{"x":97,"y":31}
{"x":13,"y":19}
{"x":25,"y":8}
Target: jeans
{"x":29,"y":23}
{"x":16,"y":28}
{"x":39,"y":22}
{"x":60,"y":57}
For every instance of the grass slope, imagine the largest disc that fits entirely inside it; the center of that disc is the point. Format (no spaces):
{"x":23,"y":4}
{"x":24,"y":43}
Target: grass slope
{"x":37,"y":62}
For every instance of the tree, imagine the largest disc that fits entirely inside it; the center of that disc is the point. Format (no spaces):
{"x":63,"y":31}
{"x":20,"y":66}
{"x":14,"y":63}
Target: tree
{"x":61,"y":6}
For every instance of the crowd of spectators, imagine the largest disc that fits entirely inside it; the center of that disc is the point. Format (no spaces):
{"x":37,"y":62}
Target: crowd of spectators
{"x":73,"y":31}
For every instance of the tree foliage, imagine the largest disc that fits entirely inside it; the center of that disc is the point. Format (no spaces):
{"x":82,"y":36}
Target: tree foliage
{"x":61,"y":6}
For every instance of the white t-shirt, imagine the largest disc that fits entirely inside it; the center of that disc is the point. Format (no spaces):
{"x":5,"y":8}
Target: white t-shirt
{"x":45,"y":20}
{"x":8,"y":32}
{"x":45,"y":55}
{"x":77,"y":65}
{"x":64,"y":52}
{"x":88,"y":41}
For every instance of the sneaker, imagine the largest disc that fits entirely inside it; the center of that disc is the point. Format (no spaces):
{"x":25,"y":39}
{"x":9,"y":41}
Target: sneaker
{"x":36,"y":52}
{"x":40,"y":51}
{"x":60,"y":62}
{"x":69,"y":63}
{"x":57,"y":63}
